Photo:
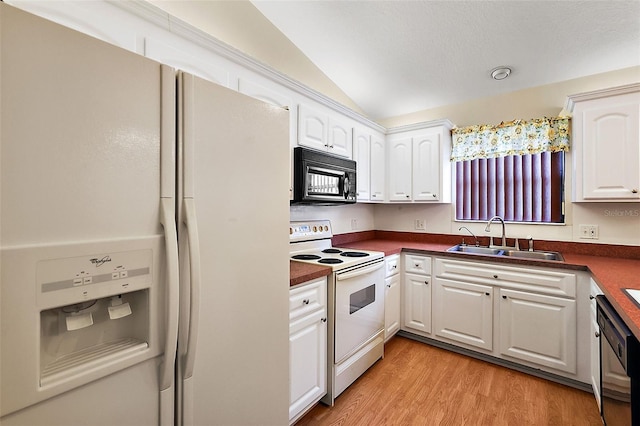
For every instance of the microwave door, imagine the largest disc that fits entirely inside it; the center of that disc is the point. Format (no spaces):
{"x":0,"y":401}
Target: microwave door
{"x":325,"y":184}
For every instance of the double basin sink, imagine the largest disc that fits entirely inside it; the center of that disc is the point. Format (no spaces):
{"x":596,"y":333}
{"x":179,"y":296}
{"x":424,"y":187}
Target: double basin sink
{"x":507,"y":252}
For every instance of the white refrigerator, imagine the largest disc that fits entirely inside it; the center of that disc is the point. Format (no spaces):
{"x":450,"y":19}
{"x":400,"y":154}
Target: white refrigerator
{"x":143,"y":246}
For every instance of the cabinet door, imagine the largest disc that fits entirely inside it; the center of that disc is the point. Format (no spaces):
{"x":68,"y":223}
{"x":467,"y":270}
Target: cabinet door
{"x":463,"y":312}
{"x":417,"y":302}
{"x":594,"y":345}
{"x":307,"y":362}
{"x":391,"y":306}
{"x":312,"y":128}
{"x":400,"y":170}
{"x":377,"y":168}
{"x":539,"y":329}
{"x":340,"y":138}
{"x":610,"y":149}
{"x":427,"y":172}
{"x":362,"y":156}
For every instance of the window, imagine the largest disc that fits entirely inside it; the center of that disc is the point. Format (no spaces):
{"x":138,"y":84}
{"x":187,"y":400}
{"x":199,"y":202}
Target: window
{"x":519,"y":188}
{"x":514,"y":170}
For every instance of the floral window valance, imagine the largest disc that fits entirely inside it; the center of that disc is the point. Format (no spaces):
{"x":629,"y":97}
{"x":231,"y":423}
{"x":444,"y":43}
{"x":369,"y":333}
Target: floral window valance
{"x":516,"y":137}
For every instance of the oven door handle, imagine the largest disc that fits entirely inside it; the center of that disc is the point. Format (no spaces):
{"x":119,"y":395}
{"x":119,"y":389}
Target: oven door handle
{"x":358,"y":272}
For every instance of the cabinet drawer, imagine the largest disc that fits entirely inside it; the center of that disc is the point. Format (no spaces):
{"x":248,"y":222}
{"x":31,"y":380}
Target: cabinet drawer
{"x":540,"y":280}
{"x":307,"y":298}
{"x":391,"y":265}
{"x":416,"y":264}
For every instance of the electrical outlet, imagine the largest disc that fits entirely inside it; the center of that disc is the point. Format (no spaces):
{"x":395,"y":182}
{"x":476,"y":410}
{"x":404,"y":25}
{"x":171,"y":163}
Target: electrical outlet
{"x":589,"y":232}
{"x":354,"y":224}
{"x":420,"y":224}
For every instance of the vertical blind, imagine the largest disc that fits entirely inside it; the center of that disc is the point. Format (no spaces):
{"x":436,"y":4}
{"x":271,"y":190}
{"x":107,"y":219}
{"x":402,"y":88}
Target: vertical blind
{"x":519,"y":188}
{"x":514,"y":170}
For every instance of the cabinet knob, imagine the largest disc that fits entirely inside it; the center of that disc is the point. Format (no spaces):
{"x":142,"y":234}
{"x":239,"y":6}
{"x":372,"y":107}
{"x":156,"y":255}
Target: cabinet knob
{"x":504,"y":297}
{"x":416,"y":265}
{"x":597,"y":334}
{"x":488,"y":294}
{"x":435,"y":195}
{"x":495,"y":276}
{"x":634,"y":191}
{"x":305,"y":302}
{"x":591,"y":297}
{"x":389,"y":285}
{"x":426,"y":282}
{"x":407,"y":195}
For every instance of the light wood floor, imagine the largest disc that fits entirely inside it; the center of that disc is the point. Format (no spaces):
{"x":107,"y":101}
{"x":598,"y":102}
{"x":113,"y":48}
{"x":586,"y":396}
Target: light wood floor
{"x":417,"y":384}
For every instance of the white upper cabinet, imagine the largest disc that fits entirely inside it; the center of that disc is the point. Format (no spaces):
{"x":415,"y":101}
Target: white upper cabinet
{"x":362,"y":155}
{"x":377,"y":168}
{"x":399,"y":155}
{"x":369,"y":153}
{"x":319,"y":130}
{"x":340,"y":137}
{"x":606,"y":144}
{"x":419,"y":168}
{"x":427,"y":166}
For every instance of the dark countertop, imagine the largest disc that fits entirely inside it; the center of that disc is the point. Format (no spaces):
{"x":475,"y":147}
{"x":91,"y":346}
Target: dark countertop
{"x":301,"y":272}
{"x":613,"y":267}
{"x":612,"y":274}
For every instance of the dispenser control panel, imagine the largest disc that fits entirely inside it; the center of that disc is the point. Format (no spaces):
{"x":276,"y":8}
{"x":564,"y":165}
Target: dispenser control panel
{"x":76,"y":279}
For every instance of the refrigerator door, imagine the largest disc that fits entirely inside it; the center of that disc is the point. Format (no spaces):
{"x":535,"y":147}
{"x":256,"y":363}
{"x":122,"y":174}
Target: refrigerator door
{"x":86,"y":300}
{"x":233,"y":342}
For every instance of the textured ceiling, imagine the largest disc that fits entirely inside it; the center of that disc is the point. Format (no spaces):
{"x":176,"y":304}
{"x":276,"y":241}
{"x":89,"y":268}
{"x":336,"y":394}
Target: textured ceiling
{"x":398,"y":57}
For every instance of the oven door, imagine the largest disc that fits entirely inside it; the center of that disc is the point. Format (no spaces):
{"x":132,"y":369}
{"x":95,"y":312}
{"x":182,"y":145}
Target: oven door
{"x":359,"y":307}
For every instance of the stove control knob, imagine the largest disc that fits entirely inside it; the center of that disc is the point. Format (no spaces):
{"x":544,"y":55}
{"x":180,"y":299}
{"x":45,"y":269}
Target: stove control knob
{"x":315,"y":229}
{"x":290,"y":231}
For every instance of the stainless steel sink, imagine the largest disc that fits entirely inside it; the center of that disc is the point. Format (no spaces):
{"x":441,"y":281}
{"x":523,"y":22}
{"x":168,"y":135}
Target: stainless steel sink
{"x":494,"y":251}
{"x":539,"y":255}
{"x":490,"y":251}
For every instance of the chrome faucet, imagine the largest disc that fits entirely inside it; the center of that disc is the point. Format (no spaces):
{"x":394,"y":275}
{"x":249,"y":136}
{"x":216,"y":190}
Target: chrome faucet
{"x":472,"y":234}
{"x":488,"y":228}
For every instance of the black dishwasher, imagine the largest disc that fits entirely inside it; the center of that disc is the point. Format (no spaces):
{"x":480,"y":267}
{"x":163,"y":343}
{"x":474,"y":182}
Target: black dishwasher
{"x":619,"y":368}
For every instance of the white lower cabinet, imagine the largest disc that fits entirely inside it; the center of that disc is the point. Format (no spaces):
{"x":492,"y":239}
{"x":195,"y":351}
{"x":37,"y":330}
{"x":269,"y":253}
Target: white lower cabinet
{"x":594,"y":341}
{"x":539,"y":329}
{"x":463,"y":312}
{"x":527,"y":315}
{"x":391,"y":296}
{"x":417,"y":293}
{"x":307,"y":346}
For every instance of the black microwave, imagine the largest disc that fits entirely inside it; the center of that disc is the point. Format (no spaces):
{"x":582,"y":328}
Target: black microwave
{"x":321,"y":178}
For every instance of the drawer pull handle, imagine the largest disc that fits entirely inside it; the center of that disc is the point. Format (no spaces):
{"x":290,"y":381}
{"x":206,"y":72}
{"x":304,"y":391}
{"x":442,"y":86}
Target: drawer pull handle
{"x":495,"y":276}
{"x":305,"y":302}
{"x":504,"y":297}
{"x":634,"y":191}
{"x":323,"y":319}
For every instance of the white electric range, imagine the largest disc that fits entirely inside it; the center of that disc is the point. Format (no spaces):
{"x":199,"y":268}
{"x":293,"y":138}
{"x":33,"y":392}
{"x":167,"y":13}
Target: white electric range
{"x":355,"y":302}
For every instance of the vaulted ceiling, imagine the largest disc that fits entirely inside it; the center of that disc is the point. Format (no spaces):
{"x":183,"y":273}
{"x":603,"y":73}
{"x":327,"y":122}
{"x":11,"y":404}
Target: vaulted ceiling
{"x":398,"y":57}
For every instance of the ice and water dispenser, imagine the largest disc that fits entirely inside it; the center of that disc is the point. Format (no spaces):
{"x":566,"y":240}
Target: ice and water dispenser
{"x":94,"y":310}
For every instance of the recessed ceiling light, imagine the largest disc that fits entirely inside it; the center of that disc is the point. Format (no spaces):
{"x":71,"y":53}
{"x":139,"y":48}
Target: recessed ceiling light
{"x":500,"y":73}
